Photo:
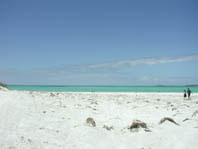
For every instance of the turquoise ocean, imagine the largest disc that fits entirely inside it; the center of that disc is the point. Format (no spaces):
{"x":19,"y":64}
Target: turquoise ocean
{"x":57,"y":88}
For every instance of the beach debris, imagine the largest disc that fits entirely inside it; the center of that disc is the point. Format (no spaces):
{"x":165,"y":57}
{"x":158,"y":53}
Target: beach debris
{"x":78,"y":105}
{"x":169,"y":119}
{"x":91,"y":122}
{"x":25,"y":140}
{"x":195,"y":113}
{"x":158,"y":99}
{"x":89,"y":107}
{"x":29,"y":140}
{"x":147,"y":130}
{"x":138,"y":124}
{"x":186,"y":105}
{"x":52,"y":95}
{"x":174,"y":109}
{"x":168,"y":103}
{"x":176,"y":114}
{"x":94,"y":102}
{"x":186,"y":119}
{"x":109,"y":128}
{"x":44,"y":111}
{"x":196,"y":102}
{"x":22,"y":137}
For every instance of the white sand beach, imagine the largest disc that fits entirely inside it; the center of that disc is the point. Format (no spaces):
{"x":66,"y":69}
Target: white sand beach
{"x":44,"y":120}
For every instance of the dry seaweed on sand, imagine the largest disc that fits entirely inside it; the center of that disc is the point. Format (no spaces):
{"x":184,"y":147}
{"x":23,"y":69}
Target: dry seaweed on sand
{"x":108,"y":127}
{"x":91,"y":122}
{"x":138,"y":124}
{"x":186,"y":119}
{"x":167,"y":119}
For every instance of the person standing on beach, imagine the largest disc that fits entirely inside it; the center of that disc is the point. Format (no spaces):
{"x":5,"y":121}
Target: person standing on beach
{"x":188,"y":92}
{"x":184,"y":94}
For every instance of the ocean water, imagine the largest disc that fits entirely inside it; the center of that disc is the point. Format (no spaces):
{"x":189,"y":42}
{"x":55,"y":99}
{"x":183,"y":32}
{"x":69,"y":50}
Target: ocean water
{"x":54,"y":88}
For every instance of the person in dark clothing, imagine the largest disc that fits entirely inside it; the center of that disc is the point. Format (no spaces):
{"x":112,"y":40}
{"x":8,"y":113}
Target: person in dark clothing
{"x":188,"y":92}
{"x":184,"y":94}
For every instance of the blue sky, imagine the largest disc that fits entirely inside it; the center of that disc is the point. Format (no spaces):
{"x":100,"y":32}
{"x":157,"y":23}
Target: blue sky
{"x":106,"y":42}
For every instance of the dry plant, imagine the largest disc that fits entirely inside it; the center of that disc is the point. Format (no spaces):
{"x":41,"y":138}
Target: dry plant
{"x":138,"y":124}
{"x":169,"y":119}
{"x":186,"y":119}
{"x":3,"y":85}
{"x":91,"y":121}
{"x":108,"y":127}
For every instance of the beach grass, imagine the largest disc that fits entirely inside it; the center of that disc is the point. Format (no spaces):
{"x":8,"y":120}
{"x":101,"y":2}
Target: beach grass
{"x":3,"y":85}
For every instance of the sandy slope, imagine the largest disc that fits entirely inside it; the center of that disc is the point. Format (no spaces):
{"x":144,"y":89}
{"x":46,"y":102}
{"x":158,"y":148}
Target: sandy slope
{"x":35,"y":120}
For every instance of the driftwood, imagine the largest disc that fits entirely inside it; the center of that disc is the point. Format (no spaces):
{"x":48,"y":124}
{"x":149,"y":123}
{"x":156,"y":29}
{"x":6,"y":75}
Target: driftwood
{"x":91,"y":122}
{"x":169,"y":119}
{"x":138,"y":124}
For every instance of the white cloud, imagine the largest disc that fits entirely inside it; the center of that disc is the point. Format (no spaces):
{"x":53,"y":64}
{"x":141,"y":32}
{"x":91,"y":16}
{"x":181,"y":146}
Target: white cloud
{"x":101,"y":74}
{"x":144,"y":61}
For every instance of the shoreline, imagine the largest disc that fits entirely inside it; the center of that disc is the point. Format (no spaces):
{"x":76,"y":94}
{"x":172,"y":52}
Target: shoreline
{"x":164,"y":89}
{"x":76,"y":92}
